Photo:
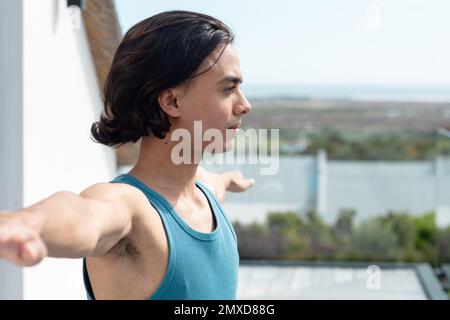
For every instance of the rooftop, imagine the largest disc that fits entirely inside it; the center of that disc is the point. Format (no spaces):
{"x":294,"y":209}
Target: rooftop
{"x":280,"y":280}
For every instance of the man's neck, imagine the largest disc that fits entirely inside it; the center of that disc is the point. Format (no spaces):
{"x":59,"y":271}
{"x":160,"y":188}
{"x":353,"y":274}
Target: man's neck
{"x":156,"y":169}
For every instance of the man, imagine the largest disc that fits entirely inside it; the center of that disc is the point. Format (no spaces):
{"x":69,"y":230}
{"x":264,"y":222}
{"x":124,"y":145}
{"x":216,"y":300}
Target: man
{"x":159,"y":231}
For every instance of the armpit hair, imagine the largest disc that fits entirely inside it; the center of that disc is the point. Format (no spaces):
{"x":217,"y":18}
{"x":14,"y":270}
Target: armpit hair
{"x":124,"y":249}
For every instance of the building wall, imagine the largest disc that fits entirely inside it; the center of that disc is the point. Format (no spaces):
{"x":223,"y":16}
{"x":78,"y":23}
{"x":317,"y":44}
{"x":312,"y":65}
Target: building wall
{"x":60,"y":100}
{"x":374,"y":187}
{"x":369,"y":187}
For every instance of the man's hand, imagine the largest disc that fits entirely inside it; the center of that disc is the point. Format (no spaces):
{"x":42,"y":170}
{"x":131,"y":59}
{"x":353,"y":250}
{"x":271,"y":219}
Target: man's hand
{"x":232,"y":181}
{"x":236,"y":181}
{"x":19,"y":242}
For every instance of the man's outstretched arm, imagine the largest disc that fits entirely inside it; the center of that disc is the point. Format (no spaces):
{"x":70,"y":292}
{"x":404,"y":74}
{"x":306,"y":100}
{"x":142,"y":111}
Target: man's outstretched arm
{"x":67,"y":225}
{"x":232,"y":181}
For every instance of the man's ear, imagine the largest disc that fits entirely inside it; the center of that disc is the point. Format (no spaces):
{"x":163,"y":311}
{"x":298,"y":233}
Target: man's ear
{"x":168,"y":102}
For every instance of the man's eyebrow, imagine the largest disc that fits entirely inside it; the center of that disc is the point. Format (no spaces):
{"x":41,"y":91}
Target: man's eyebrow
{"x":232,"y":79}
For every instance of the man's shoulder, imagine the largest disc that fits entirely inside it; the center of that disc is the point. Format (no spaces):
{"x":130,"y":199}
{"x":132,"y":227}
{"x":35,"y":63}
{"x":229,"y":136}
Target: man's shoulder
{"x":127,"y":197}
{"x":113,"y":191}
{"x":120,"y":195}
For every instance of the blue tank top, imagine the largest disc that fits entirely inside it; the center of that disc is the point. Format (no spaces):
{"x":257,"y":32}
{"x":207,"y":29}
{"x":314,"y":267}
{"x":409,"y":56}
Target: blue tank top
{"x":201,"y":266}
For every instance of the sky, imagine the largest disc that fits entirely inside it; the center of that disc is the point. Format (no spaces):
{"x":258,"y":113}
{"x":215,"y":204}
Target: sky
{"x":327,"y":42}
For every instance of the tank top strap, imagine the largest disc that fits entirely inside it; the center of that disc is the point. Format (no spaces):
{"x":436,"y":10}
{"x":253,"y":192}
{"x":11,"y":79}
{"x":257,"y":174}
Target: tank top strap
{"x":218,"y":206}
{"x":154,"y":197}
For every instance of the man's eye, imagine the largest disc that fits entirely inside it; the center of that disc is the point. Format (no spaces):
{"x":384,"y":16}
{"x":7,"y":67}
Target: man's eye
{"x":230,"y":89}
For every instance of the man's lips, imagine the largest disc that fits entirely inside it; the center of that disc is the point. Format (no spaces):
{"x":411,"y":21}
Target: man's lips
{"x":235,"y":127}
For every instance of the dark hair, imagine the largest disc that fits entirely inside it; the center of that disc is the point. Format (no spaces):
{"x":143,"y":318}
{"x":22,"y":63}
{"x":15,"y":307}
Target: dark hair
{"x":156,"y":54}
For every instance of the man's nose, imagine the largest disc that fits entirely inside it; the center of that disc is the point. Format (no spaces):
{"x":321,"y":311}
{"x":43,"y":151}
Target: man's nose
{"x":243,"y":106}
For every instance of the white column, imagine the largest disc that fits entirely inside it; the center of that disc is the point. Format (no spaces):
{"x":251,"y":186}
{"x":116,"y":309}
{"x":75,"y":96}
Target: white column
{"x":49,"y":98}
{"x":61,"y":101}
{"x":11,"y":133}
{"x":322,"y":182}
{"x":442,"y":191}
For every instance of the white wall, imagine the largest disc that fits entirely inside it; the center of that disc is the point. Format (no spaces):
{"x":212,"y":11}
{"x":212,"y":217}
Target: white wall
{"x":60,"y":102}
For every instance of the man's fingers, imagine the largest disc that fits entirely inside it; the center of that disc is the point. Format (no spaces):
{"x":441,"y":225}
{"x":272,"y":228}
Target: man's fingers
{"x":246,"y":183}
{"x":238,"y":183}
{"x":26,"y":254}
{"x":10,"y":241}
{"x":32,"y":252}
{"x":15,"y":235}
{"x":21,"y":246}
{"x":10,"y":252}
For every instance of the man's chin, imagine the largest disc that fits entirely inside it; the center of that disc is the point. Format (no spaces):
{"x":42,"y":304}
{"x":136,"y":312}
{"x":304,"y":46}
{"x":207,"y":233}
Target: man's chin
{"x":225,"y":150}
{"x":227,"y":146}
